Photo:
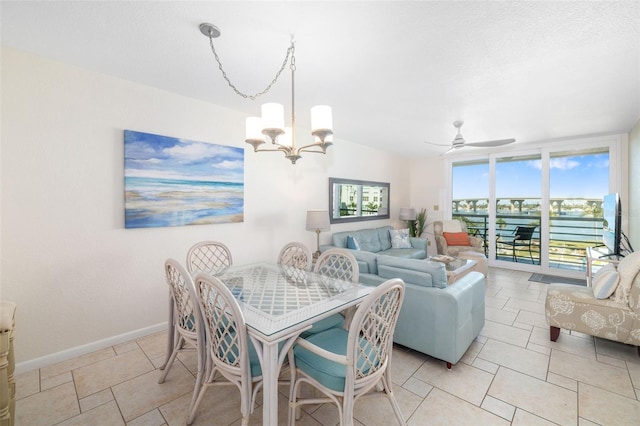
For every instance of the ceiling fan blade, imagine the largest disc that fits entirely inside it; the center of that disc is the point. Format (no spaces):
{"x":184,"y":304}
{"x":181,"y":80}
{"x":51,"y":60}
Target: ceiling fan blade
{"x":438,"y":144}
{"x":499,"y":142}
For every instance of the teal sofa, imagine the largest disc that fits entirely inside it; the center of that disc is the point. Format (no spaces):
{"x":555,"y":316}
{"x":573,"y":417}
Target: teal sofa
{"x":436,"y":319}
{"x":373,"y":243}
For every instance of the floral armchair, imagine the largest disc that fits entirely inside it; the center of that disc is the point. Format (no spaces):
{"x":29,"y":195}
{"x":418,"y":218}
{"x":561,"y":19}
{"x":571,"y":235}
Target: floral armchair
{"x":452,"y":238}
{"x":616,"y":317}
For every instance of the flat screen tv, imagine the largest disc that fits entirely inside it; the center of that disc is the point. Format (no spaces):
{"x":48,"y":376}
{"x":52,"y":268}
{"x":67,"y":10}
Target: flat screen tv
{"x":612,"y":223}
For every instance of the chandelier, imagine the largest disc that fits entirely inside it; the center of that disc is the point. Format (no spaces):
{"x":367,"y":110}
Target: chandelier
{"x":268,"y":132}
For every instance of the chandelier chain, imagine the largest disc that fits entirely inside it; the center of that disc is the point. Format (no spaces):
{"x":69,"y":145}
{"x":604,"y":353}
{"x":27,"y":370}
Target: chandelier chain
{"x":290,"y":53}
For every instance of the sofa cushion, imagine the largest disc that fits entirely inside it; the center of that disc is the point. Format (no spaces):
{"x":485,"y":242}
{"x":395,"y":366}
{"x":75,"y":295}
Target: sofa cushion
{"x":605,"y":281}
{"x":457,"y":238}
{"x":367,"y":263}
{"x":400,"y":238}
{"x":421,"y":272}
{"x":385,"y":237}
{"x":369,"y":241}
{"x":408,"y":253}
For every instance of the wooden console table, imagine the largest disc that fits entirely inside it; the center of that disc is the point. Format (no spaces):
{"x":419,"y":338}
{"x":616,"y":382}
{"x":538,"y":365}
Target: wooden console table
{"x":599,"y":255}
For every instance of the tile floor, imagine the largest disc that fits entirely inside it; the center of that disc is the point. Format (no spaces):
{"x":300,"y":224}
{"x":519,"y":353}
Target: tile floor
{"x":511,"y":374}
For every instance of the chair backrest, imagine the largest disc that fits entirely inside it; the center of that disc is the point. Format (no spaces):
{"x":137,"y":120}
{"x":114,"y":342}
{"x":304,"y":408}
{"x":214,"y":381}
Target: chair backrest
{"x":524,"y":232}
{"x":185,"y":304}
{"x":370,"y":339}
{"x":226,"y":331}
{"x":453,"y":225}
{"x":211,"y":257}
{"x":296,"y":255}
{"x":337,"y":263}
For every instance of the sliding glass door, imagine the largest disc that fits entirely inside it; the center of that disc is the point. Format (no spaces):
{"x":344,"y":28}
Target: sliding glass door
{"x":577,"y":182}
{"x":518,"y":194}
{"x":539,"y":209}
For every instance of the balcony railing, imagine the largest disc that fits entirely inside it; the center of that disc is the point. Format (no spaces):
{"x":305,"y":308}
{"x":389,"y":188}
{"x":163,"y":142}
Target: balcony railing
{"x":569,"y":236}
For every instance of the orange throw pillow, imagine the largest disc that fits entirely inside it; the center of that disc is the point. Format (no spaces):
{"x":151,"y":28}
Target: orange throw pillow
{"x":457,"y":238}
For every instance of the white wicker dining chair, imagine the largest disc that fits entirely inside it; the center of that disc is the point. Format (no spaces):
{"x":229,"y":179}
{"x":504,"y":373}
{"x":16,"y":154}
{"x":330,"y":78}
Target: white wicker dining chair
{"x":297,"y":255}
{"x":340,"y":264}
{"x":186,"y":329}
{"x":211,"y":257}
{"x":337,"y":263}
{"x":229,"y":350}
{"x":348,"y":364}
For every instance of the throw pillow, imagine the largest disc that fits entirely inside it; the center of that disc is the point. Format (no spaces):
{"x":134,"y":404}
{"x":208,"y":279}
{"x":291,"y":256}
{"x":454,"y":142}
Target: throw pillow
{"x":400,"y":238}
{"x":457,"y":238}
{"x":352,"y":243}
{"x":627,"y":269}
{"x":605,"y":281}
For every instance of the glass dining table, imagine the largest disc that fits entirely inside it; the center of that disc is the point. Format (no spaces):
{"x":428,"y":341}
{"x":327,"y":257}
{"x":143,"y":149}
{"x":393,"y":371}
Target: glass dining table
{"x":278,"y":303}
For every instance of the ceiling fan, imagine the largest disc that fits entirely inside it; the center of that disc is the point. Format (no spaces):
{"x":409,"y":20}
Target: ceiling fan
{"x":459,"y":142}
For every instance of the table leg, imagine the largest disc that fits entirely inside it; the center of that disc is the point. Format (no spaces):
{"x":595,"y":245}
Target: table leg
{"x":272,"y":355}
{"x":270,"y":373}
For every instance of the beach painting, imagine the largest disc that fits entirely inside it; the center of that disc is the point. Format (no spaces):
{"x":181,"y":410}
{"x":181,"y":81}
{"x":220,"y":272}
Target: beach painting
{"x":175,"y":182}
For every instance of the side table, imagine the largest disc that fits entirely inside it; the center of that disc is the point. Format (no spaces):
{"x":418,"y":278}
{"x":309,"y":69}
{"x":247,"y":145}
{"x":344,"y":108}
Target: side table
{"x":7,"y":364}
{"x":456,"y":268}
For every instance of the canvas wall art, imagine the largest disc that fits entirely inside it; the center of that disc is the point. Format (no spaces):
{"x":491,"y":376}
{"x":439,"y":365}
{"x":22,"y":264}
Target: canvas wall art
{"x":175,"y":182}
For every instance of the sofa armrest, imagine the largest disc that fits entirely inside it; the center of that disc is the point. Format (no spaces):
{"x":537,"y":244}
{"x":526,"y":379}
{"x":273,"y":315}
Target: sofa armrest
{"x":441,"y":244}
{"x":419,"y":243}
{"x":476,"y":241}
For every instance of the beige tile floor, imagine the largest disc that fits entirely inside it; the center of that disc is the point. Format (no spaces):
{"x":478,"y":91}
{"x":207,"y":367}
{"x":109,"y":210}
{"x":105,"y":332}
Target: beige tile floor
{"x":511,"y":374}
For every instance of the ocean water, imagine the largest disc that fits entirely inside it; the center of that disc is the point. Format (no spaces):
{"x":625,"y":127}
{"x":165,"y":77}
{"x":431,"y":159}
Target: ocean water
{"x":151,"y":202}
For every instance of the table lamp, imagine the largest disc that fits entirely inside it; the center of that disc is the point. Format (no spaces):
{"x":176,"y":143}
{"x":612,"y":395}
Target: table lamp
{"x":409,"y":215}
{"x":317,"y":221}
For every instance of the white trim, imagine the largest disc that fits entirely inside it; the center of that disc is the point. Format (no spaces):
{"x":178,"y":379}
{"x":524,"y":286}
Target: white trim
{"x":70,"y":353}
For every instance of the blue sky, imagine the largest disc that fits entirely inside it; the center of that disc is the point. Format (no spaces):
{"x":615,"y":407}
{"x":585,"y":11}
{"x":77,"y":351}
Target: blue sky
{"x":582,"y":176}
{"x":155,"y":156}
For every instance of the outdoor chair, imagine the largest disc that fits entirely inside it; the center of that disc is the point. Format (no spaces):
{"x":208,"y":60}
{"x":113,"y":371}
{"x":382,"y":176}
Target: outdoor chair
{"x":185,"y":322}
{"x":347,"y":364}
{"x":522,"y":239}
{"x":211,"y":257}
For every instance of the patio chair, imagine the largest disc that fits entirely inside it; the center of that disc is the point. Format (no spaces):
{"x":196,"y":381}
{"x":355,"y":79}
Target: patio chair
{"x":296,"y":255}
{"x":185,"y":322}
{"x":228,"y":347}
{"x":522,"y":238}
{"x":211,"y":257}
{"x":347,"y":364}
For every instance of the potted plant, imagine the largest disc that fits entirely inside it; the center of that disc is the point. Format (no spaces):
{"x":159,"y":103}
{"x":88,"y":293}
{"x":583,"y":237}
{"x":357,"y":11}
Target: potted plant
{"x":420,"y":224}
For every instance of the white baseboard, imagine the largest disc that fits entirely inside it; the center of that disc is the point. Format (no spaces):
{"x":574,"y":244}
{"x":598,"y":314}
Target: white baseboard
{"x":67,"y":354}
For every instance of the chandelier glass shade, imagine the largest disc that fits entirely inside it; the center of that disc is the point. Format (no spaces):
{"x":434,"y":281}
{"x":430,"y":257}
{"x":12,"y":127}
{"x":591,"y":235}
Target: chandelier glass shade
{"x":268,"y":132}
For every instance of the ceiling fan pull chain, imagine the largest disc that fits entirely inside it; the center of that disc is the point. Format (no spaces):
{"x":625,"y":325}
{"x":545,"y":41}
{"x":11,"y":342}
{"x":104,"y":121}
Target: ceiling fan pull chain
{"x":290,"y":51}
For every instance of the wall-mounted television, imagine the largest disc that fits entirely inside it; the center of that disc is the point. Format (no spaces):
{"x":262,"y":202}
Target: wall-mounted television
{"x":612,"y":223}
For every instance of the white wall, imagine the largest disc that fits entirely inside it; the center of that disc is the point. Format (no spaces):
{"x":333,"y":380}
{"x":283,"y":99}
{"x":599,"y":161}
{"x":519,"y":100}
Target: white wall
{"x":428,"y":191}
{"x":634,"y":186}
{"x":79,"y":278}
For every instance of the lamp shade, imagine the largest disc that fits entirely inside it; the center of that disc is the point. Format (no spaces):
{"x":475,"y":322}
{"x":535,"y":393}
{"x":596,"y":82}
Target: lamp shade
{"x":254,"y":129}
{"x":273,"y":116}
{"x":317,"y":220}
{"x":321,"y":118}
{"x":407,"y":213}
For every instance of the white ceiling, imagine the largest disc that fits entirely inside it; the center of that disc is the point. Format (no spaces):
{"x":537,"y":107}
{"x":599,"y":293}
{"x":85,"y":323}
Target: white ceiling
{"x":397,"y":73}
